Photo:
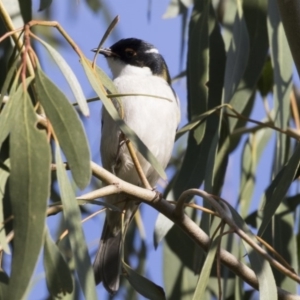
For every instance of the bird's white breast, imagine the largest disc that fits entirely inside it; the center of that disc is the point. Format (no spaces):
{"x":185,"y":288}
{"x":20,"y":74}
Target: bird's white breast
{"x":154,"y":120}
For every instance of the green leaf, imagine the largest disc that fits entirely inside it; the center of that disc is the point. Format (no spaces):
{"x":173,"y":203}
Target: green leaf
{"x":255,"y":17}
{"x":67,"y":127}
{"x":265,"y":82}
{"x":95,"y":5}
{"x":29,"y":190}
{"x":142,"y":285}
{"x":261,"y":267}
{"x":8,"y":78}
{"x":278,"y":189}
{"x":176,"y":7}
{"x":252,"y":151}
{"x":44,"y":4}
{"x":198,"y":60}
{"x":179,"y":278}
{"x":237,"y":57}
{"x":161,"y":228}
{"x":282,"y":64}
{"x":58,"y":274}
{"x":206,"y":270}
{"x":96,"y":82}
{"x":70,"y":77}
{"x":3,"y":180}
{"x":26,"y":10}
{"x":7,"y":119}
{"x":76,"y":236}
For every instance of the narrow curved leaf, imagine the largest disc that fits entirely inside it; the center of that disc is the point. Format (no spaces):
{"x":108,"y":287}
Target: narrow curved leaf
{"x":161,"y":228}
{"x":95,"y":81}
{"x":143,"y":285}
{"x":206,"y":270}
{"x":7,"y":115}
{"x":29,"y":190}
{"x":261,"y":267}
{"x":4,"y":173}
{"x":282,"y":62}
{"x":253,"y":149}
{"x":237,"y":57}
{"x":44,"y":4}
{"x":67,"y":127}
{"x":76,"y":236}
{"x":26,"y":10}
{"x":70,"y":77}
{"x":8,"y":78}
{"x":58,"y":275}
{"x":278,"y":189}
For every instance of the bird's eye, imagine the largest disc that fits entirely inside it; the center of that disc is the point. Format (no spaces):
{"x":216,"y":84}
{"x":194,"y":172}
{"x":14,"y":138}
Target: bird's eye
{"x":130,"y":52}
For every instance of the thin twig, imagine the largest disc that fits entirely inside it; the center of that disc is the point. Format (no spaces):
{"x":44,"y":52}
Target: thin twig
{"x":137,"y":165}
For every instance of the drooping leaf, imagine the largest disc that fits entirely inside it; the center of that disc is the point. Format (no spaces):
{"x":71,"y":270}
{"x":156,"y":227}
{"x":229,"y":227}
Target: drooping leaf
{"x":253,"y":149}
{"x":278,"y":189}
{"x":142,"y":285}
{"x":176,"y":7}
{"x":237,"y":57}
{"x":206,"y":270}
{"x":8,"y":79}
{"x":95,"y":5}
{"x":4,"y":173}
{"x":44,"y":4}
{"x":67,"y":127}
{"x":29,"y":190}
{"x":266,"y":81}
{"x":255,"y":12}
{"x":26,"y":10}
{"x":261,"y":267}
{"x":282,"y":63}
{"x":179,"y":278}
{"x":7,"y":115}
{"x":70,"y":77}
{"x":76,"y":236}
{"x":58,"y":275}
{"x":162,"y":226}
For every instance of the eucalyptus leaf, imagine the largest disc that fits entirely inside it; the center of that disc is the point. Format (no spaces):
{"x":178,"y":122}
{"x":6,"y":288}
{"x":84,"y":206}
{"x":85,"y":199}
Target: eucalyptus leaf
{"x":4,"y":174}
{"x":26,"y":10}
{"x":162,"y":226}
{"x":261,"y":267}
{"x":67,"y":127}
{"x":206,"y":270}
{"x":278,"y":189}
{"x":143,"y":285}
{"x":8,"y":78}
{"x":44,"y":4}
{"x":29,"y":190}
{"x":58,"y":275}
{"x":70,"y":77}
{"x":237,"y":57}
{"x":76,"y":236}
{"x":7,"y":119}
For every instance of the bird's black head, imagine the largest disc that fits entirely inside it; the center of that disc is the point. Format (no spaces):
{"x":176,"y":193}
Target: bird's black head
{"x":138,"y":53}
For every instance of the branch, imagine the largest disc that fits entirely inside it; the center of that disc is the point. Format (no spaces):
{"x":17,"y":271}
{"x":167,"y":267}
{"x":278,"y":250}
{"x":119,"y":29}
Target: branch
{"x":185,"y":223}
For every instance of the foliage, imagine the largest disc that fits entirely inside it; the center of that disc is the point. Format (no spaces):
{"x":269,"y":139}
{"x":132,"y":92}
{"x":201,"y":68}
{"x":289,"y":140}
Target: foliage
{"x":237,"y":55}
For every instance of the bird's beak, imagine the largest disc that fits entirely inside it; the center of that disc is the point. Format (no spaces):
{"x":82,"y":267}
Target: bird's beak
{"x":106,"y":52}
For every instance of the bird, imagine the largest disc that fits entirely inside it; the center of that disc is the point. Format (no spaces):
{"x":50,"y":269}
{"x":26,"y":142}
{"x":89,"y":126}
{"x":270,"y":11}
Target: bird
{"x":137,"y":67}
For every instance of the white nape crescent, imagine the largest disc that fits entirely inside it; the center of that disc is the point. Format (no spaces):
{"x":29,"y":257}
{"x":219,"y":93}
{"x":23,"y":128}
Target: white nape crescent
{"x":153,"y":50}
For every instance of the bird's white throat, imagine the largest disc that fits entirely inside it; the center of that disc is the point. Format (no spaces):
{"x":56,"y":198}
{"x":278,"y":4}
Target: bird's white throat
{"x":118,"y":68}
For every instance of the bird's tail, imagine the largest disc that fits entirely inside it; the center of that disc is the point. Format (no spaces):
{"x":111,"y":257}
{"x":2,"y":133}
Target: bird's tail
{"x":107,"y":263}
